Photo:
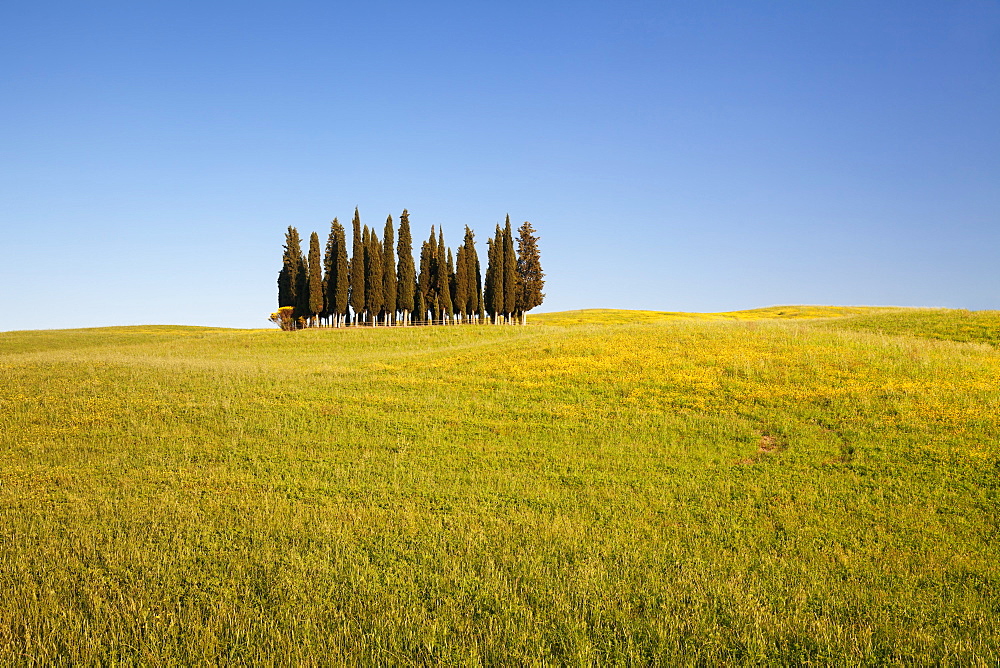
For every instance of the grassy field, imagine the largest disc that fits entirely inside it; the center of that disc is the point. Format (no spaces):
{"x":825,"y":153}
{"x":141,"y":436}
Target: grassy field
{"x":621,"y":317}
{"x":786,"y":485}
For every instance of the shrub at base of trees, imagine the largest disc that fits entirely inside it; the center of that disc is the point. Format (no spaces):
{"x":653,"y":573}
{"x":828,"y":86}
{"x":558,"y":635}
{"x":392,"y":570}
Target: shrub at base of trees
{"x":373,"y":289}
{"x":284,"y":318}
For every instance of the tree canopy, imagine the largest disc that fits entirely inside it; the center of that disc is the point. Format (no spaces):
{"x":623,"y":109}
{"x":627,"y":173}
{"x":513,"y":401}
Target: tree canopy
{"x":380,"y":284}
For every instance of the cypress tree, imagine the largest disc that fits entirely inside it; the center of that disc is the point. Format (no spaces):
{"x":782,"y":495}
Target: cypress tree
{"x":366,"y":271}
{"x":423,"y":281}
{"x":314,"y":305}
{"x":529,"y":271}
{"x":453,"y":311}
{"x":377,"y":290}
{"x":288,"y":277}
{"x":461,"y":286}
{"x":476,"y":304}
{"x":509,"y":272}
{"x":388,"y":273}
{"x":302,"y":291}
{"x":373,"y":277}
{"x":443,"y":279}
{"x":357,"y":269}
{"x":433,"y":298}
{"x":480,"y":302}
{"x":496,"y":301}
{"x":473,"y":282}
{"x":420,"y":308}
{"x":451,"y":282}
{"x":329,"y":260}
{"x":406,"y":273}
{"x":490,"y":290}
{"x":339,"y":288}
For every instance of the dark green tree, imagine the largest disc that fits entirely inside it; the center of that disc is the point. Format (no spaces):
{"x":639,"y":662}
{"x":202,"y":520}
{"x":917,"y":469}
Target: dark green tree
{"x":388,"y":273}
{"x":377,"y":271}
{"x":431,"y":295}
{"x":302,"y":293}
{"x":314,"y":304}
{"x":443,"y":278}
{"x":329,"y":255}
{"x":406,"y":278}
{"x":529,"y":271}
{"x":509,"y":273}
{"x":420,"y":308}
{"x":365,"y":260}
{"x":451,"y":283}
{"x":423,"y":282}
{"x":474,"y":266}
{"x":288,"y":277}
{"x":472,"y":279}
{"x":373,"y":276}
{"x":493,"y":290}
{"x":460,"y":291}
{"x":495,"y":304}
{"x":480,"y":302}
{"x":357,"y":298}
{"x":339,"y":283}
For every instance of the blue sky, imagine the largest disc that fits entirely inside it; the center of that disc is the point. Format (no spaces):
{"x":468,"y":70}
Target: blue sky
{"x":698,"y":156}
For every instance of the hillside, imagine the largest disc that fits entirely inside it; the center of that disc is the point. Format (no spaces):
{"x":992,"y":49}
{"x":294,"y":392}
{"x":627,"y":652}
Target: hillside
{"x":782,"y":485}
{"x":621,"y":317}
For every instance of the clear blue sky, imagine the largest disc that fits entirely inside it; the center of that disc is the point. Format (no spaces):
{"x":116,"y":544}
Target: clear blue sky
{"x":698,"y":156}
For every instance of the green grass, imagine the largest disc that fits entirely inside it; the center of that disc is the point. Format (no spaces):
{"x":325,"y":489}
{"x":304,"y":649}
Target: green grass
{"x":942,"y":324}
{"x":736,"y":488}
{"x":619,"y":317}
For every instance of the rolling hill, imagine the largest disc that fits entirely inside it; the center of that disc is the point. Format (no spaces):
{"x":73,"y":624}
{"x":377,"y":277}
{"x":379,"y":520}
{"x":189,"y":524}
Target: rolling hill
{"x":785,"y":485}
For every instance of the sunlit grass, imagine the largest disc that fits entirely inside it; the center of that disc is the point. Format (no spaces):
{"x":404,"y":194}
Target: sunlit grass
{"x":943,"y":324}
{"x":618,"y":317}
{"x":722,"y":488}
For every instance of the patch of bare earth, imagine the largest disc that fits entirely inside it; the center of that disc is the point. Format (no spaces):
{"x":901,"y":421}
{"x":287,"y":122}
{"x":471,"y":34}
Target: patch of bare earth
{"x":768,"y":445}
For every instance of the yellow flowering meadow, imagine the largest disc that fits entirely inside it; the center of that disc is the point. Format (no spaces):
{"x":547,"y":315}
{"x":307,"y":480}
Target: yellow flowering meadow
{"x":787,"y":485}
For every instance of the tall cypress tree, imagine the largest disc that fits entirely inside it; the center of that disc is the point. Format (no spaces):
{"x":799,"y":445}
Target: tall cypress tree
{"x":443,"y":278}
{"x":529,"y":271}
{"x":288,"y":277}
{"x":366,"y":272}
{"x":473,"y":282}
{"x":314,"y":304}
{"x":423,"y":282}
{"x":433,"y":297}
{"x":357,"y":269}
{"x":461,"y":284}
{"x":420,"y":308}
{"x":405,"y":273}
{"x":302,"y":292}
{"x":329,"y":270}
{"x":509,"y":272}
{"x":480,"y":302}
{"x":388,"y":273}
{"x":373,"y":277}
{"x":475,"y":276}
{"x":451,"y":282}
{"x":339,"y":288}
{"x":497,"y":300}
{"x":365,"y":261}
{"x":490,"y":289}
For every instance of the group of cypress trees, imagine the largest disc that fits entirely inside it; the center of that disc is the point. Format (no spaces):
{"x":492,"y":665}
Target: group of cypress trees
{"x":373,"y":288}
